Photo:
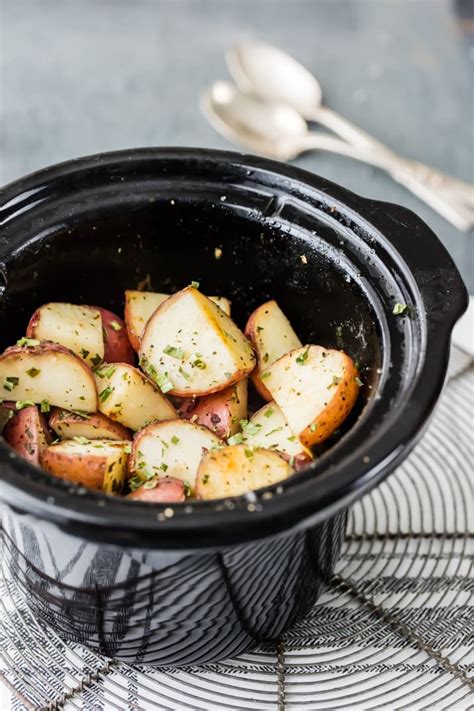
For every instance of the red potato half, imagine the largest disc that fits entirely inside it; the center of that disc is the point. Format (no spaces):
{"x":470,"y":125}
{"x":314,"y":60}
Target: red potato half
{"x":172,"y":448}
{"x":220,"y":412}
{"x":236,"y":470}
{"x":315,"y":389}
{"x":98,"y":464}
{"x":117,"y":347}
{"x":140,"y":306}
{"x":128,"y":397}
{"x":272,"y":336}
{"x":28,"y":434}
{"x":47,"y":373}
{"x":269,"y":429}
{"x":192,"y":348}
{"x":160,"y":491}
{"x":68,"y":425}
{"x":76,"y":327}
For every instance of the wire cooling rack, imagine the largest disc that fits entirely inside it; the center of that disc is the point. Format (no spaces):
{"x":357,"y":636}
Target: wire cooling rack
{"x":394,"y":630}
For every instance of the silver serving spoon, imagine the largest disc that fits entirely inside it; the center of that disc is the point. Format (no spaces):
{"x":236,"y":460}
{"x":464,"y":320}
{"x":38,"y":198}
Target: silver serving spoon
{"x":278,"y":131}
{"x":273,"y":75}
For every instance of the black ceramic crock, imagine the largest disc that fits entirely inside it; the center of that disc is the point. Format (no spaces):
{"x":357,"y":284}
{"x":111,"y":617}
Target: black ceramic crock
{"x":215,"y":578}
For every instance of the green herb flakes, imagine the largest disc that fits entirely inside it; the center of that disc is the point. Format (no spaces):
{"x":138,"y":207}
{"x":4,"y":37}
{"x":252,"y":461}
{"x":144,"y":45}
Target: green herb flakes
{"x":81,"y":440}
{"x":106,"y":392}
{"x":358,"y":381}
{"x":248,"y":453}
{"x":185,"y":375}
{"x":174,"y":352}
{"x":303,"y":357}
{"x":21,"y":404}
{"x":400,"y":309}
{"x":163,"y":467}
{"x":235,"y":439}
{"x":29,"y":342}
{"x":96,"y":360}
{"x":33,"y":372}
{"x":115,"y":325}
{"x":45,"y":406}
{"x":313,"y":427}
{"x":269,"y":412}
{"x":195,"y":284}
{"x":249,"y":427}
{"x":174,"y":439}
{"x":10,"y":383}
{"x":84,"y":353}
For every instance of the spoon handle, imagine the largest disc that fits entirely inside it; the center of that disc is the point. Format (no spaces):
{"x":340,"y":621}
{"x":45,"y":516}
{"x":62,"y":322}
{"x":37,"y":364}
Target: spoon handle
{"x":458,"y":190}
{"x":460,"y":215}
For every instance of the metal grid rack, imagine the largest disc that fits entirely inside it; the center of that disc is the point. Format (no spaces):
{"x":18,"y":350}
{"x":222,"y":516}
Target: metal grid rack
{"x":394,"y":629}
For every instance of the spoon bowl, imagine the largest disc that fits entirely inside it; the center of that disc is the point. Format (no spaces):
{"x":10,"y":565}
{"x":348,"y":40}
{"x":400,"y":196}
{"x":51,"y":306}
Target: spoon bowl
{"x":270,"y":128}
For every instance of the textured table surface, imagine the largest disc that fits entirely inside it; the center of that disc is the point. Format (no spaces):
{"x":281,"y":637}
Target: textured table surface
{"x":79,"y":78}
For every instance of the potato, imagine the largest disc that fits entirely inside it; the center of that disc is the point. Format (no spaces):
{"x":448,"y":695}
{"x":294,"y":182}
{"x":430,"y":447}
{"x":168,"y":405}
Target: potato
{"x":272,"y":336}
{"x":117,"y":347}
{"x":7,"y":410}
{"x":140,"y":306}
{"x":97,"y":464}
{"x":235,"y":470}
{"x":160,"y":491}
{"x":191,"y":347}
{"x":220,"y":412}
{"x":173,"y":448}
{"x":27,"y":432}
{"x":315,"y":389}
{"x":68,"y":425}
{"x":269,"y":429}
{"x":128,"y":397}
{"x":47,"y":374}
{"x":78,"y":328}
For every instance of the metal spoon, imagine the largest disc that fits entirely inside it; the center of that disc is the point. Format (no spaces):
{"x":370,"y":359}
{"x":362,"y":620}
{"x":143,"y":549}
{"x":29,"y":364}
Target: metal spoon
{"x":279,"y":132}
{"x":273,"y":75}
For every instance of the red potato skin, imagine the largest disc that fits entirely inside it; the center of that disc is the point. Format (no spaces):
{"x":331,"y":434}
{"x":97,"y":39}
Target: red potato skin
{"x":33,"y":322}
{"x":95,"y":420}
{"x":28,"y":434}
{"x":210,"y":411}
{"x":117,"y":346}
{"x":73,"y":468}
{"x":166,"y":491}
{"x":300,"y":461}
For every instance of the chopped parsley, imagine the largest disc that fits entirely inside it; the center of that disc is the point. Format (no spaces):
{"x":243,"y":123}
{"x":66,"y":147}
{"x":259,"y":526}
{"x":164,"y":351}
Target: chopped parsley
{"x":265,"y":375}
{"x":29,"y":342}
{"x":107,"y":373}
{"x":235,"y":439}
{"x":195,"y":284}
{"x":199,"y":363}
{"x":163,"y":467}
{"x":248,"y":453}
{"x":313,"y":427}
{"x":260,"y":328}
{"x":174,"y":439}
{"x":10,"y":383}
{"x":33,"y":372}
{"x":84,"y":353}
{"x":81,"y":440}
{"x":174,"y":352}
{"x":106,"y":392}
{"x":21,"y":404}
{"x":116,"y":326}
{"x":205,"y":478}
{"x":187,"y":488}
{"x":249,"y":427}
{"x":185,"y":375}
{"x":277,"y":429}
{"x":150,"y":484}
{"x":358,"y":381}
{"x":96,"y":360}
{"x":269,"y":412}
{"x":400,"y":309}
{"x":161,"y":379}
{"x":303,"y":357}
{"x":44,"y":406}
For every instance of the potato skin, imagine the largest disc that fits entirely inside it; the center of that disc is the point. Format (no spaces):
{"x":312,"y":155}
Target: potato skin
{"x":96,"y":421}
{"x":216,"y":411}
{"x":117,"y":346}
{"x":80,"y":469}
{"x":167,"y":490}
{"x":32,"y":324}
{"x":28,"y":434}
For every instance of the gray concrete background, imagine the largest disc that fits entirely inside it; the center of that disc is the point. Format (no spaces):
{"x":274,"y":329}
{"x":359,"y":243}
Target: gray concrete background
{"x":84,"y":76}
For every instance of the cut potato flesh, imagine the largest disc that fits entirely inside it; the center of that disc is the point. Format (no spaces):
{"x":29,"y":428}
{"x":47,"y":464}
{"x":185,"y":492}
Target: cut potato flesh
{"x":171,"y":449}
{"x":272,"y":336}
{"x":315,"y":389}
{"x":236,"y":470}
{"x":140,"y":306}
{"x":160,"y":491}
{"x":68,"y":425}
{"x":99,"y":464}
{"x":49,"y":374}
{"x":27,"y":432}
{"x":220,"y":412}
{"x":269,"y":429}
{"x":191,"y":347}
{"x":128,"y":397}
{"x":78,"y":328}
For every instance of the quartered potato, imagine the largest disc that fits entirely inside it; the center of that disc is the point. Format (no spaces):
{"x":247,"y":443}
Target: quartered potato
{"x":269,"y":429}
{"x":128,"y":397}
{"x":68,"y":425}
{"x":171,"y":449}
{"x":27,"y":432}
{"x":140,"y":306}
{"x":160,"y":491}
{"x":220,"y":412}
{"x":47,"y":374}
{"x":117,"y":347}
{"x":190,"y":347}
{"x":272,"y":336}
{"x":315,"y":389}
{"x":235,"y":470}
{"x":78,"y":328}
{"x":96,"y":464}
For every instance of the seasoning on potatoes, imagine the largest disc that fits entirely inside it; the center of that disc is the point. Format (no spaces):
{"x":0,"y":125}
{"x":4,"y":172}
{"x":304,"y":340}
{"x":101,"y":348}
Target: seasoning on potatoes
{"x":235,"y":470}
{"x":220,"y":412}
{"x":269,"y":429}
{"x":190,"y":347}
{"x":27,"y":432}
{"x":68,"y":425}
{"x":160,"y":491}
{"x":315,"y":389}
{"x":96,"y":464}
